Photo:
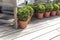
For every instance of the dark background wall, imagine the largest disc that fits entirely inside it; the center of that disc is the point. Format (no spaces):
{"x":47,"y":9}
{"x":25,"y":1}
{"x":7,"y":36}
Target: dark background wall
{"x":0,"y":6}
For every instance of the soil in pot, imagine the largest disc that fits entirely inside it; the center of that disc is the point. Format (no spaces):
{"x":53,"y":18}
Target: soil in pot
{"x":40,"y":15}
{"x":58,"y":12}
{"x":47,"y":14}
{"x":53,"y":13}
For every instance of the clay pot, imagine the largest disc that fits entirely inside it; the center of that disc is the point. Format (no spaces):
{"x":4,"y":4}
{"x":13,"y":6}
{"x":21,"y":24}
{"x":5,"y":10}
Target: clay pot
{"x":40,"y":15}
{"x":53,"y":13}
{"x":47,"y":14}
{"x":23,"y":24}
{"x":58,"y":12}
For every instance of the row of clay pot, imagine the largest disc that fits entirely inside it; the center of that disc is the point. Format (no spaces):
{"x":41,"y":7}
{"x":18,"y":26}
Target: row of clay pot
{"x":47,"y":14}
{"x":23,"y":24}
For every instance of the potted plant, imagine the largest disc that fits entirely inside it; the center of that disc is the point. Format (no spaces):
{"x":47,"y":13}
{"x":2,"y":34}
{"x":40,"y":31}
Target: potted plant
{"x":48,"y":9}
{"x":40,"y":9}
{"x":55,"y":9}
{"x":58,"y":12}
{"x":23,"y":16}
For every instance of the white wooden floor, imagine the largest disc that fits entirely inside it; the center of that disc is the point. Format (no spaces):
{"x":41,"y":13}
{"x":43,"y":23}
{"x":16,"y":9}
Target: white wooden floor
{"x":45,"y":29}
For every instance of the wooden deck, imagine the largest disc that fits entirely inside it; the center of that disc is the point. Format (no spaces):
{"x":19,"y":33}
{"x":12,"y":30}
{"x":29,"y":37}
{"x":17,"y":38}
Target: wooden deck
{"x":45,"y":29}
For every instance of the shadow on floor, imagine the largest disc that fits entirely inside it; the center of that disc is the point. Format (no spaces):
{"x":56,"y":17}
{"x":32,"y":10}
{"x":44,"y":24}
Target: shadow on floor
{"x":35,"y":20}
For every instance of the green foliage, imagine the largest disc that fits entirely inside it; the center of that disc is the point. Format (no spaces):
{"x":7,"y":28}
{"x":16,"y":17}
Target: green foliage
{"x":40,"y":8}
{"x":59,"y":5}
{"x":55,"y":7}
{"x":30,"y":8}
{"x":24,"y":13}
{"x":48,"y":7}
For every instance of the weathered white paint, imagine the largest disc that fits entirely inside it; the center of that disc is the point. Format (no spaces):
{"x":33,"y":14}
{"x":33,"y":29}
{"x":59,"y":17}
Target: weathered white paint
{"x":11,"y":2}
{"x":7,"y":2}
{"x":31,"y":1}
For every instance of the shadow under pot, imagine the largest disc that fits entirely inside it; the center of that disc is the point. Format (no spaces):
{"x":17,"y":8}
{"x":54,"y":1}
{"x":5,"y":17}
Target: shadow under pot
{"x":53,"y":13}
{"x":47,"y":14}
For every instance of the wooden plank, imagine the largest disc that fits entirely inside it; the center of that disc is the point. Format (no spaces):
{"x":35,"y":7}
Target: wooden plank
{"x":0,"y":0}
{"x":43,"y":21}
{"x":33,"y":28}
{"x":56,"y":37}
{"x":47,"y":36}
{"x":15,"y":14}
{"x":7,"y":21}
{"x":39,"y":32}
{"x":9,"y":3}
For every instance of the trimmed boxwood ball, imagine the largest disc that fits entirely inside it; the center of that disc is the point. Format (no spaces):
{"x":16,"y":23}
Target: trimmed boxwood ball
{"x":55,"y":7}
{"x":48,"y":7}
{"x":23,"y":14}
{"x":40,"y":8}
{"x":30,"y":8}
{"x":59,"y":5}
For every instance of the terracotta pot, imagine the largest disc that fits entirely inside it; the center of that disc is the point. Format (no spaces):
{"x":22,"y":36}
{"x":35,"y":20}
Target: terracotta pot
{"x":39,"y":15}
{"x":47,"y":14}
{"x":23,"y":24}
{"x":53,"y":13}
{"x":58,"y":12}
